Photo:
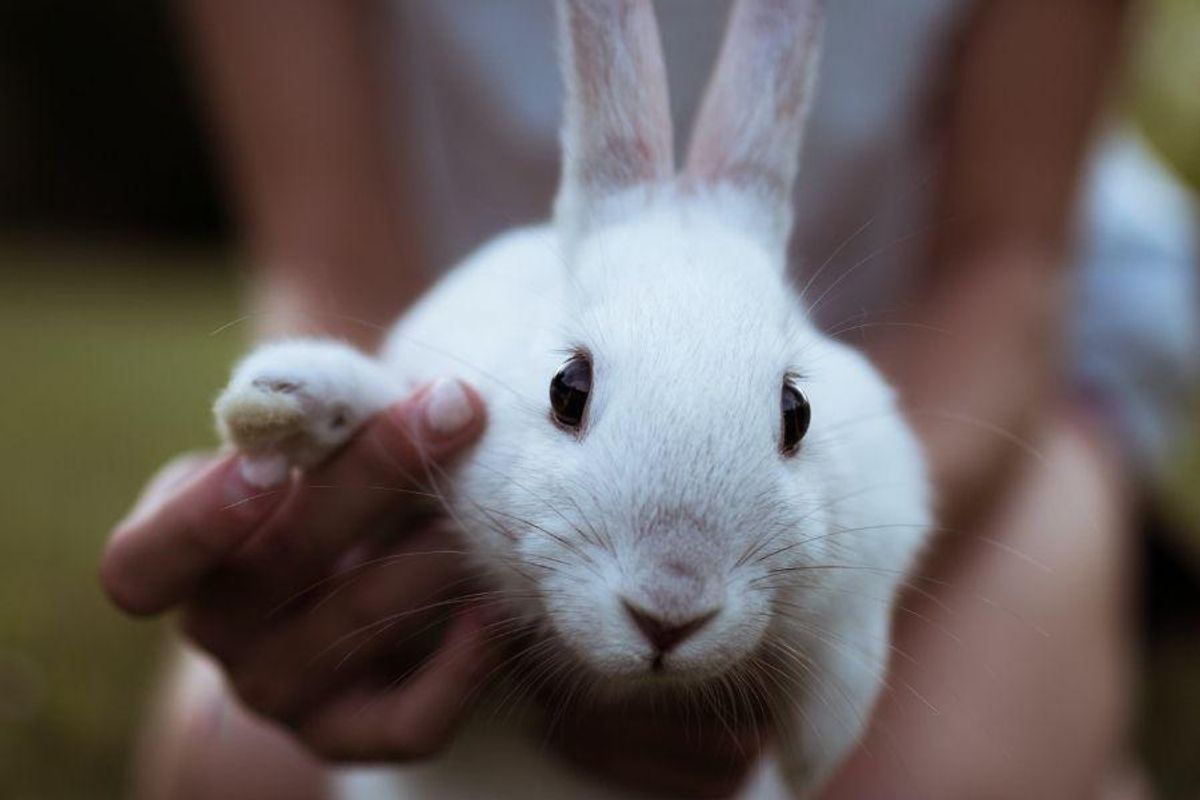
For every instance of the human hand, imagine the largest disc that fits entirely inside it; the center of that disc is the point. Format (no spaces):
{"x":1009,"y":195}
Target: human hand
{"x":276,"y":583}
{"x":318,"y":623}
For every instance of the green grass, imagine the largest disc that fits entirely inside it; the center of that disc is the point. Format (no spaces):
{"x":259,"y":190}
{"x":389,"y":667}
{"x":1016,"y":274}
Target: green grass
{"x":109,"y":368}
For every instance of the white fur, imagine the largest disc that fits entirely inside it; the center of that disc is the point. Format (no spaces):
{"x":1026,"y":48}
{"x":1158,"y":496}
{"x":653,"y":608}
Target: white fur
{"x":675,"y":495}
{"x":292,"y":403}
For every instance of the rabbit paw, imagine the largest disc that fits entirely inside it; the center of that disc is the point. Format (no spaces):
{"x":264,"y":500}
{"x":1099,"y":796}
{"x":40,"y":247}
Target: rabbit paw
{"x":293,"y":403}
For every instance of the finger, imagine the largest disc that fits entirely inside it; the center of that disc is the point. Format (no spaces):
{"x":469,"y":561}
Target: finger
{"x":190,"y":518}
{"x":385,"y":470}
{"x":172,"y":541}
{"x":385,"y":604}
{"x":163,"y":484}
{"x":415,"y":720}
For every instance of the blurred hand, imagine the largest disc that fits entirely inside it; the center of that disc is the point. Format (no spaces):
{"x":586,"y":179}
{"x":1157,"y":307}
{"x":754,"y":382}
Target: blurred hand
{"x":320,"y":623}
{"x":319,"y":599}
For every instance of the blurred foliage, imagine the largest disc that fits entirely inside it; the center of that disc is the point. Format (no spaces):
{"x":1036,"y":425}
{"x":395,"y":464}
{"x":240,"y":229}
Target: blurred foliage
{"x":1165,"y":82}
{"x":110,"y":368}
{"x":1165,"y":101}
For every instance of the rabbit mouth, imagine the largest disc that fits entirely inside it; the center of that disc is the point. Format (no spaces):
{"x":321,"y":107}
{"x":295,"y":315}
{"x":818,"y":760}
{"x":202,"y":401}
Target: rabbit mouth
{"x":745,"y":694}
{"x":653,"y":672}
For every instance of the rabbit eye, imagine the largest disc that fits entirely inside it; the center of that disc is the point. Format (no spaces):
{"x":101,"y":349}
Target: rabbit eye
{"x":797,"y":414}
{"x":569,"y":392}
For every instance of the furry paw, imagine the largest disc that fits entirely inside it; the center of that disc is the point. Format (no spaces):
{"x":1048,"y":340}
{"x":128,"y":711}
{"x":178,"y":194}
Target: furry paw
{"x":293,"y":403}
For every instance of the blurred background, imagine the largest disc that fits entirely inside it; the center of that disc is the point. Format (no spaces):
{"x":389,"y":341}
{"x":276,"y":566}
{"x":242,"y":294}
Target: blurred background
{"x":117,"y":280}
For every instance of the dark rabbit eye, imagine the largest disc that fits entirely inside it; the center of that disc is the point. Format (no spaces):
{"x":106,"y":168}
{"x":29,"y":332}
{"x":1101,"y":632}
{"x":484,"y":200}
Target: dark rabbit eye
{"x":796,"y":415}
{"x":569,"y":392}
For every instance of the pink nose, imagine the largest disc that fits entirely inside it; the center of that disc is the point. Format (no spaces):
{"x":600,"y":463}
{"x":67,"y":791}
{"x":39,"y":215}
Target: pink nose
{"x":663,"y":635}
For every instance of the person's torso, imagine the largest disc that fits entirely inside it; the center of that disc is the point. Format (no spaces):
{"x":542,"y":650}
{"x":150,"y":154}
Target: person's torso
{"x":479,"y":93}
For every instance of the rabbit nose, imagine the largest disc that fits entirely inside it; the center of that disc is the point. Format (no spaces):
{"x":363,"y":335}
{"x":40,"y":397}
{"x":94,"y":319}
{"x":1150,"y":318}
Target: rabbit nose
{"x":663,"y":635}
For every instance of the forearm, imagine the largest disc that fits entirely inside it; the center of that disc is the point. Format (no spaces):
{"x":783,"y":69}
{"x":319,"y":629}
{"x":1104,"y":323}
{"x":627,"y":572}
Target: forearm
{"x":979,"y":388}
{"x":1032,"y":82}
{"x":1025,"y":658}
{"x":297,"y":99}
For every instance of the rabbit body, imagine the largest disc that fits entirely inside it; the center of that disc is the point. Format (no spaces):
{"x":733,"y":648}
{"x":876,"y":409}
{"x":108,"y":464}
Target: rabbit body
{"x":675,"y":495}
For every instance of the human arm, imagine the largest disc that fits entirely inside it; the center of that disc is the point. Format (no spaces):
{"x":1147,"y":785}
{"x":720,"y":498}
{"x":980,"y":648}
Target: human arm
{"x":298,"y":104}
{"x":1016,"y":629}
{"x":1023,"y":105}
{"x":294,"y":97}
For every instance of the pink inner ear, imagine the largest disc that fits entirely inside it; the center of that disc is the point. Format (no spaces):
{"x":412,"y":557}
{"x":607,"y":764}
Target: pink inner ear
{"x":716,"y":165}
{"x":617,"y":131}
{"x":621,"y":161}
{"x":751,"y":123}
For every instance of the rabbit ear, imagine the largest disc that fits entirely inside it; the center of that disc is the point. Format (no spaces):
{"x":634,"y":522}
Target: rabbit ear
{"x":617,"y":129}
{"x":749,"y":129}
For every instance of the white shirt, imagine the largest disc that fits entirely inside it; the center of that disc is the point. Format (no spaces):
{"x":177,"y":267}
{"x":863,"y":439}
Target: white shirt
{"x":480,"y":86}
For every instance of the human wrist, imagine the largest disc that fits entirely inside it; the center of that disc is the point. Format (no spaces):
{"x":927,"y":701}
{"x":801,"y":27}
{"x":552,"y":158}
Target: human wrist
{"x":346,"y":307}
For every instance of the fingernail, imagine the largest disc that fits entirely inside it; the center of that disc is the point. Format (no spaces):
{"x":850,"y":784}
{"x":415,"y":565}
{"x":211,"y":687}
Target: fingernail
{"x":264,"y":471}
{"x":448,"y":410}
{"x":253,"y":486}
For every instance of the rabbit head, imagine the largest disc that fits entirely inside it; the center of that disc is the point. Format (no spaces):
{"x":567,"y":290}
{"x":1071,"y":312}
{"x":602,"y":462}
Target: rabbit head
{"x":706,"y":452}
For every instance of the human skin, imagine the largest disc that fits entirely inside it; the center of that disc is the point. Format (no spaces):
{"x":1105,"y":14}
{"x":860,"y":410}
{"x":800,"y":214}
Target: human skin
{"x":321,"y":217}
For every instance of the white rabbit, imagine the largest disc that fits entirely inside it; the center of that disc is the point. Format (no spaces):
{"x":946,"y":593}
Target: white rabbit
{"x":649,"y":489}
